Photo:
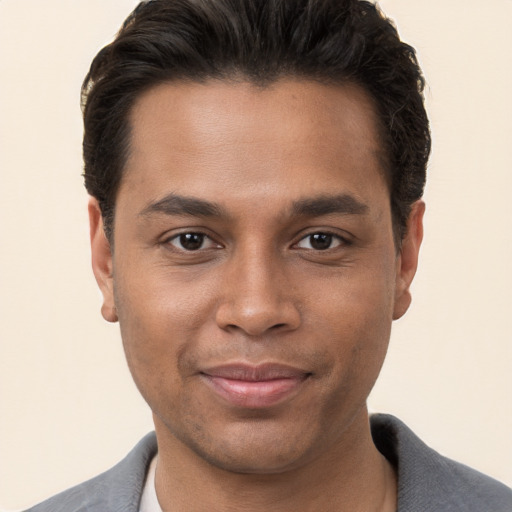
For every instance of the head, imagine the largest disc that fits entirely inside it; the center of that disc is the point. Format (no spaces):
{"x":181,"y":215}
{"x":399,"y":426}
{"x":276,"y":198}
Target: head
{"x":328,"y":41}
{"x":256,"y":167}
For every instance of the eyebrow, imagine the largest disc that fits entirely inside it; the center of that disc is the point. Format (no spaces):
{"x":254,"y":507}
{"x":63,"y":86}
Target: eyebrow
{"x":174,"y":204}
{"x":325,"y":205}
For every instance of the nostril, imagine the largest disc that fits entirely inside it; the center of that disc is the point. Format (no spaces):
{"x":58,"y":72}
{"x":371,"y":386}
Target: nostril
{"x":272,"y":327}
{"x":255,"y":318}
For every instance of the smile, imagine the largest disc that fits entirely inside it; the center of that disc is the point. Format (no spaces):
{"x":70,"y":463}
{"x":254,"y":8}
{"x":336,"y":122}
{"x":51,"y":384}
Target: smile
{"x":254,"y":386}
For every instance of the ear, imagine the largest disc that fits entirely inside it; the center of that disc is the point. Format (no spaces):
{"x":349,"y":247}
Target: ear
{"x":101,"y":255}
{"x":407,"y":260}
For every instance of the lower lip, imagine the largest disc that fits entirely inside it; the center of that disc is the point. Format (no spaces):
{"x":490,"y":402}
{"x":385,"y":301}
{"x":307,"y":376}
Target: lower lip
{"x":254,"y":395}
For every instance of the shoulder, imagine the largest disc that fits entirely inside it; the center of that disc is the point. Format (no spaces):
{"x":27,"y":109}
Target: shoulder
{"x":429,"y":482}
{"x":118,"y":489}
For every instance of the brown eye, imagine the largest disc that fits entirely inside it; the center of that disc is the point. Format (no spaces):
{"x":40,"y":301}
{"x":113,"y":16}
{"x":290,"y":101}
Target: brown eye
{"x":319,"y":241}
{"x":190,"y":241}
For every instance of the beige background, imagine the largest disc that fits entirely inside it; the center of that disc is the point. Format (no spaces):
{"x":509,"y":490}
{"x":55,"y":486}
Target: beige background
{"x":68,"y":407}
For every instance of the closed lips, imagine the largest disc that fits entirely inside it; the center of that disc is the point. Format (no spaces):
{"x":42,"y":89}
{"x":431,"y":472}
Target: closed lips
{"x":255,"y":386}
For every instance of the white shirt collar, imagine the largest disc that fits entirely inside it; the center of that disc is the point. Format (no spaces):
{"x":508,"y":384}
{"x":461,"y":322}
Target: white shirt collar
{"x":149,"y":500}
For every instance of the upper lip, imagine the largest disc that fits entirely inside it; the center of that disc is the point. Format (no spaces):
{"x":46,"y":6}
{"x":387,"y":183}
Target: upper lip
{"x":255,"y":373}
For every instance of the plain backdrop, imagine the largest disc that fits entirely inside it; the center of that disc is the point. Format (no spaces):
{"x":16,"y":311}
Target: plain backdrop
{"x":69,"y":409}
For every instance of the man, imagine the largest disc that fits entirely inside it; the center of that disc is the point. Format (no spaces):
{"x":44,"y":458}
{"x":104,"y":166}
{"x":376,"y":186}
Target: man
{"x":256,"y":171}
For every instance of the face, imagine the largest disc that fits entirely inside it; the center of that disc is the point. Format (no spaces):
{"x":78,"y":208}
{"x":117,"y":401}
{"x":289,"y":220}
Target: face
{"x":254,"y":272}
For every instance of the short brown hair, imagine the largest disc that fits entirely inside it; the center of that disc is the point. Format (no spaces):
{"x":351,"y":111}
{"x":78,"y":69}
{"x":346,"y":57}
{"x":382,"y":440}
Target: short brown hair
{"x":334,"y":41}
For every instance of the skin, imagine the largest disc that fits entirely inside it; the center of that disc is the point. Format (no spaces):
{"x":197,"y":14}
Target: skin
{"x":271,"y":163}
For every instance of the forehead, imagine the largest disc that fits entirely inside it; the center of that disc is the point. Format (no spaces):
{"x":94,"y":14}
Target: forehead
{"x":199,"y":138}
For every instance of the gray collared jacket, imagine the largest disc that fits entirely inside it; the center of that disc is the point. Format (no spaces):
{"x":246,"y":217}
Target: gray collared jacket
{"x":427,"y":481}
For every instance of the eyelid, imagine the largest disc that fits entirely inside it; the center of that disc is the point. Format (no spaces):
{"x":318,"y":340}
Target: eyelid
{"x":334,"y":238}
{"x":343,"y":238}
{"x":169,"y":238}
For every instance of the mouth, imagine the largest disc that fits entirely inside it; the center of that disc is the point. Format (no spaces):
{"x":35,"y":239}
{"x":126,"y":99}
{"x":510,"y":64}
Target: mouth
{"x":255,"y":387}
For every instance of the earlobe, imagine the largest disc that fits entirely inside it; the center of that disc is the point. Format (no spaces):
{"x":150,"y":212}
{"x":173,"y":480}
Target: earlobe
{"x":407,"y":261}
{"x":101,"y":256}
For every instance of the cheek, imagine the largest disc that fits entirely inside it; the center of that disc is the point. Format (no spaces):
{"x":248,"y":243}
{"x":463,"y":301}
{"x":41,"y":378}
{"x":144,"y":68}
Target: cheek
{"x":159,"y":321}
{"x":357,"y":314}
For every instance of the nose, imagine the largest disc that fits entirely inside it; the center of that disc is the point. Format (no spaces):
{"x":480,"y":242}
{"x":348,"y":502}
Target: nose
{"x":257,"y":297}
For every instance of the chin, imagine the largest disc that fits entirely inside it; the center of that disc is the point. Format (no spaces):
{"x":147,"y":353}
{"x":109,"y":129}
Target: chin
{"x":254,"y":448}
{"x":255,"y":461}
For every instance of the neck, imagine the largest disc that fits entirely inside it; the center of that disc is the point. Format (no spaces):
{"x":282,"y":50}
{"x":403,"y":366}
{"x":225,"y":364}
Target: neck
{"x":353,"y":476}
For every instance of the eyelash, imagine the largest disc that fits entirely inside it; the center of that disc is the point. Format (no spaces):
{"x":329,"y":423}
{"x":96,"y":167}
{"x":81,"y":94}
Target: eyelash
{"x":341,"y":241}
{"x":179,"y":236}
